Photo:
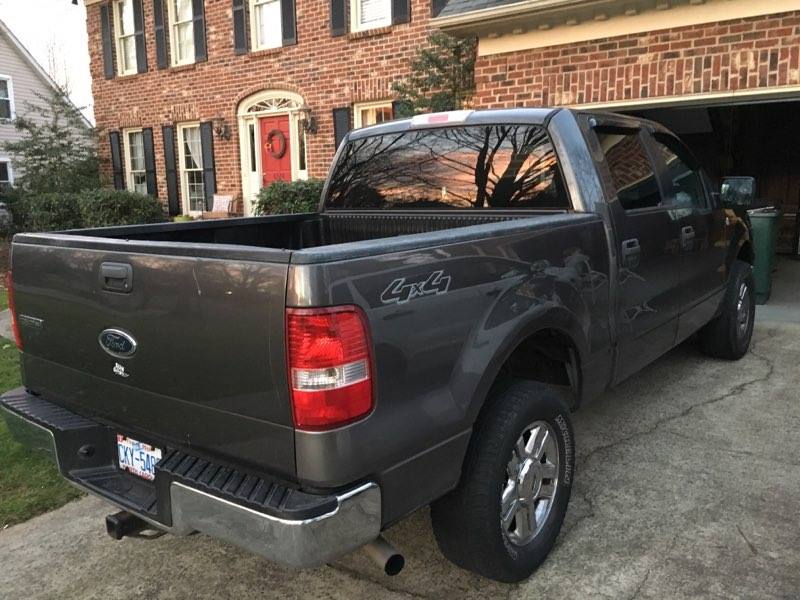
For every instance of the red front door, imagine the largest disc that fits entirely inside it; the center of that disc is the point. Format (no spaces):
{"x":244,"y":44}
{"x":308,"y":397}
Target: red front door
{"x":276,"y":156}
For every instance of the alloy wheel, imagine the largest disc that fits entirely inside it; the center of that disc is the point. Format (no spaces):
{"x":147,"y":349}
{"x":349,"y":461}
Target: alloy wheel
{"x":530,"y":488}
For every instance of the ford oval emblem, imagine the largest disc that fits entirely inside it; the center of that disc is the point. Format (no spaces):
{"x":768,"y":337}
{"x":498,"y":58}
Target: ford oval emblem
{"x":117,"y":343}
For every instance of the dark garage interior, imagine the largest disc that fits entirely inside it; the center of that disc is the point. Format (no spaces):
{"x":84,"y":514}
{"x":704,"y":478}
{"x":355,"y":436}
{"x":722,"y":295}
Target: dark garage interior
{"x":759,"y":139}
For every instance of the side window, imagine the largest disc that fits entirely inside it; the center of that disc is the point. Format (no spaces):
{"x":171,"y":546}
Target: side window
{"x":370,"y":14}
{"x":181,"y":32}
{"x":125,"y":32}
{"x":265,"y":23}
{"x":631,"y":170}
{"x":685,"y":182}
{"x":6,"y":98}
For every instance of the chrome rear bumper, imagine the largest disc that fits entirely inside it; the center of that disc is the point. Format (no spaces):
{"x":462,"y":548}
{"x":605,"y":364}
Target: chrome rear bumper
{"x":353,"y":520}
{"x":305,"y":543}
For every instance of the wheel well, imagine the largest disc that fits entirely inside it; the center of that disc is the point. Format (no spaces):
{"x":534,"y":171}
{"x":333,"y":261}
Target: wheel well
{"x":746,"y":253}
{"x":547,"y":356}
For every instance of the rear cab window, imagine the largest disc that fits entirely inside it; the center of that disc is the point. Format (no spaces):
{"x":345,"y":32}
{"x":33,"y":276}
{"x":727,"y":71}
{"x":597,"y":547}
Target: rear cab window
{"x":465,"y":167}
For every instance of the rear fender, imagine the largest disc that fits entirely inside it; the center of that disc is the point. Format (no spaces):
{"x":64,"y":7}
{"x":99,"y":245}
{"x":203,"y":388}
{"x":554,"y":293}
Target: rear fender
{"x":570,"y":321}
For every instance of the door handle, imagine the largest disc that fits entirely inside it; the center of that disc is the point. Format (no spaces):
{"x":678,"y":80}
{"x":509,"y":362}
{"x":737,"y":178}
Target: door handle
{"x":631,"y":251}
{"x":116,"y":277}
{"x":687,"y":238}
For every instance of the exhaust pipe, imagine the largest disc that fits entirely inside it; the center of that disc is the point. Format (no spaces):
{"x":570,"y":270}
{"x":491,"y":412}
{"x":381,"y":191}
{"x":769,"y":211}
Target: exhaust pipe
{"x":385,"y":555}
{"x":124,"y":523}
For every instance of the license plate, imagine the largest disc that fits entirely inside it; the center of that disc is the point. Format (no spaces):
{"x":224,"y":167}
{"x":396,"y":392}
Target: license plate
{"x":137,"y":458}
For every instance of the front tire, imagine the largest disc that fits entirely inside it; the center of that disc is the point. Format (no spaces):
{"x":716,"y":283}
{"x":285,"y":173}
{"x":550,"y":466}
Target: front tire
{"x":503,"y":518}
{"x":728,"y":335}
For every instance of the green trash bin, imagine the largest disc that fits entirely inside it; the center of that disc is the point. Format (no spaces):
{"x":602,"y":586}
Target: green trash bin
{"x":764,"y":223}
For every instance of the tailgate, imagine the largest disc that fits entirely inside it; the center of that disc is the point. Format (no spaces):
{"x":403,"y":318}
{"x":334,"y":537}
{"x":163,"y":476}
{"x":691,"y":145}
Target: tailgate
{"x":208,"y":369}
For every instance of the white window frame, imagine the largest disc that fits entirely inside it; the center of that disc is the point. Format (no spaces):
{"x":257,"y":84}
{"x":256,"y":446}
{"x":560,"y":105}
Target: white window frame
{"x":355,"y":21}
{"x":122,"y":68}
{"x":173,"y":28}
{"x":362,"y":106}
{"x":254,"y":25}
{"x":11,"y":108}
{"x":7,"y":160}
{"x":129,"y":172}
{"x":183,"y":171}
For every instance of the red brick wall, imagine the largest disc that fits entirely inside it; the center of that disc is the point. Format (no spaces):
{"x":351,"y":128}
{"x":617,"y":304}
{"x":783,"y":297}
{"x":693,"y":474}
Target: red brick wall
{"x":328,"y":72}
{"x":716,"y":57}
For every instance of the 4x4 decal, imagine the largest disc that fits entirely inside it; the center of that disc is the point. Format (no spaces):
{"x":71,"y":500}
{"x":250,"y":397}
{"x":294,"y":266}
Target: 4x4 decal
{"x":401,"y":292}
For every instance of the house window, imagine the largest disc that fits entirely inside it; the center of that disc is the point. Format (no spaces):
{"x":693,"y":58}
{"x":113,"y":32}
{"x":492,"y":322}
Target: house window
{"x":6,"y":98}
{"x":135,"y":175}
{"x":302,"y":168}
{"x":125,"y":29}
{"x":372,"y":113}
{"x":369,"y":14}
{"x":191,"y":167}
{"x":181,"y":27}
{"x":265,"y":23}
{"x":6,"y":176}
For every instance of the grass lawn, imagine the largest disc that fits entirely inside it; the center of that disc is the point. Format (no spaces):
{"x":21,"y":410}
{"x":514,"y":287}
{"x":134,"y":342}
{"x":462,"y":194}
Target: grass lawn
{"x":29,"y":481}
{"x":3,"y":296}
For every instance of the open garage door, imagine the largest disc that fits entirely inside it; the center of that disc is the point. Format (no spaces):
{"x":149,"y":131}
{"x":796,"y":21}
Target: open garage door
{"x":756,"y":138}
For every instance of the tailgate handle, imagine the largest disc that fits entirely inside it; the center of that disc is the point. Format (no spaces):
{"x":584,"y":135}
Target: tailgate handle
{"x":116,"y":277}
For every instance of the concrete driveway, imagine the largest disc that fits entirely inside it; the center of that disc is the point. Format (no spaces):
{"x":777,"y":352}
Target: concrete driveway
{"x":688,"y":485}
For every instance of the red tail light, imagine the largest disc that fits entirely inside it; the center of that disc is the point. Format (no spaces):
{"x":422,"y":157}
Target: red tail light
{"x":330,"y":371}
{"x":12,"y":308}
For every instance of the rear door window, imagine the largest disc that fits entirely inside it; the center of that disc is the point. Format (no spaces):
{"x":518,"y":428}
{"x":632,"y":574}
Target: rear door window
{"x":630,"y":167}
{"x":467,"y":167}
{"x":684,"y":181}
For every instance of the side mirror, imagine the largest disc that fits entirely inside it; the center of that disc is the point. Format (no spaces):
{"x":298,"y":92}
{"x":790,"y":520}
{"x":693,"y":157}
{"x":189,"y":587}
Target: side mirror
{"x":738,"y":192}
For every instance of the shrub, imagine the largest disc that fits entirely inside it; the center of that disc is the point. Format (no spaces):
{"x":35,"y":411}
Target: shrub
{"x":286,"y":197}
{"x":91,"y":208}
{"x":105,"y":207}
{"x":46,"y":212}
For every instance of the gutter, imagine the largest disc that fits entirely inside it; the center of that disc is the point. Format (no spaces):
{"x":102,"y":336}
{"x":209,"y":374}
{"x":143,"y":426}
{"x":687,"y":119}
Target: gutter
{"x":513,"y":10}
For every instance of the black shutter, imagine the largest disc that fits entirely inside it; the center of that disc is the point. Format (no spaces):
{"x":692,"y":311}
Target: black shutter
{"x":108,"y":41}
{"x":209,"y":175}
{"x":161,"y":34}
{"x":401,"y":11}
{"x":200,"y":52}
{"x":171,"y":164}
{"x":116,"y":160}
{"x":240,"y":26}
{"x":437,"y":6}
{"x":341,"y":124}
{"x":288,"y":22}
{"x":138,"y":26}
{"x":338,"y":17}
{"x":150,"y":162}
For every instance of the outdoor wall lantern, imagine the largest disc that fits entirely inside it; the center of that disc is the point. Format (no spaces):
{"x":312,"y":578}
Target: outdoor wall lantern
{"x":307,"y":120}
{"x":221,"y":128}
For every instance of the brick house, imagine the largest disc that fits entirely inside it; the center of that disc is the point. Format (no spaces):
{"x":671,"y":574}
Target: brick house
{"x":223,"y":96}
{"x":226,"y":95}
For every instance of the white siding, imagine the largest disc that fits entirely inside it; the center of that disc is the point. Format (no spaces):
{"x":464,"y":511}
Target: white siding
{"x":26,"y":81}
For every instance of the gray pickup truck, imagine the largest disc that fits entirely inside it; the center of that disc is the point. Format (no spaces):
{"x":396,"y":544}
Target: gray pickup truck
{"x":296,"y":384}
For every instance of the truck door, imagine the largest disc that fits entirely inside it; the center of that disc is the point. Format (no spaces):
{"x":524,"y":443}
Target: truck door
{"x":702,"y":233}
{"x":648,"y":249}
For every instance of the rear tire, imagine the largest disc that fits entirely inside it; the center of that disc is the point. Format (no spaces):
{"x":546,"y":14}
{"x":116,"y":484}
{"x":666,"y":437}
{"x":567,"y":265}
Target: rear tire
{"x":728,"y":335}
{"x":503,"y":518}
